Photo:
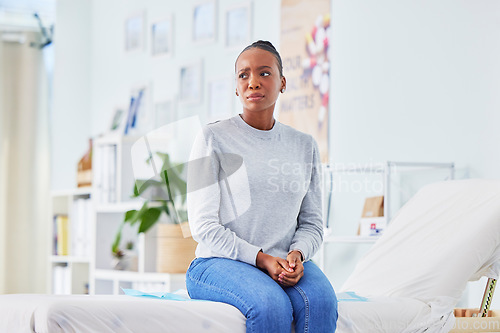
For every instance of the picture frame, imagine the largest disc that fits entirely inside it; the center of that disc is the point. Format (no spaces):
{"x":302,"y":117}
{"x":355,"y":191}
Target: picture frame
{"x":165,"y":112}
{"x":139,"y":115}
{"x":119,"y":119}
{"x":238,"y":25}
{"x":134,"y":32}
{"x":190,"y":83}
{"x":162,"y":37}
{"x":204,"y":22}
{"x":221,"y":98}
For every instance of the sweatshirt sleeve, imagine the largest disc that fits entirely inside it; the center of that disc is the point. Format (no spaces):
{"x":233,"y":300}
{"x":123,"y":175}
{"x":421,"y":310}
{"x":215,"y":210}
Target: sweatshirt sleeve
{"x":309,"y":234}
{"x":203,"y":203}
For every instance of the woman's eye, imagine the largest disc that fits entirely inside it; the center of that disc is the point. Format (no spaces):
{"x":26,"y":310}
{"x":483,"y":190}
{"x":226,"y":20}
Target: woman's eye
{"x":265,"y":73}
{"x":242,"y":76}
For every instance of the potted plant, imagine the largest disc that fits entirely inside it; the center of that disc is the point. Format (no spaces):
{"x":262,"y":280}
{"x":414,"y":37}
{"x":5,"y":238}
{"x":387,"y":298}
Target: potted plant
{"x":164,"y":197}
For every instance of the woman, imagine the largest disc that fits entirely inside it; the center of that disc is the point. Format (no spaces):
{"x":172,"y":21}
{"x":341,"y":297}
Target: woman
{"x":254,"y":207}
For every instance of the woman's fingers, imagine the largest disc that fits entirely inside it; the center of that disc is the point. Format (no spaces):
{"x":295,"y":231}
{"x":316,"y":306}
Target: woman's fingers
{"x":283,"y":263}
{"x":289,"y":279}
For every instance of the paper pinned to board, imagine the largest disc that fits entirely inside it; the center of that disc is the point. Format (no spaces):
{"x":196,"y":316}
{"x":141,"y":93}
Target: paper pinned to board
{"x":179,"y":295}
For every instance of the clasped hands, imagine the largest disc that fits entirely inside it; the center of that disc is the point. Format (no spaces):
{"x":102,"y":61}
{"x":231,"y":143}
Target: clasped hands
{"x":286,"y":272}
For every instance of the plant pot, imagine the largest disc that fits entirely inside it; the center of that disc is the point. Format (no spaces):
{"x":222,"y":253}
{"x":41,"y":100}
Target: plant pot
{"x":174,"y":252}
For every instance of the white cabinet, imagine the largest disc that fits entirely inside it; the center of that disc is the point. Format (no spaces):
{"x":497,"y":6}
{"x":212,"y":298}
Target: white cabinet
{"x":346,"y":188}
{"x":71,"y":222}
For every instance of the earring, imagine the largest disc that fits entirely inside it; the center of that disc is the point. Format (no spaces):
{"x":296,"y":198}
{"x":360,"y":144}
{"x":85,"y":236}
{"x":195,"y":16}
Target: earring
{"x":282,"y":90}
{"x":237,"y":93}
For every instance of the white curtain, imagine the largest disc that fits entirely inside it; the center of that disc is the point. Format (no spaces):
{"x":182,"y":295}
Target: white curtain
{"x":24,"y":166}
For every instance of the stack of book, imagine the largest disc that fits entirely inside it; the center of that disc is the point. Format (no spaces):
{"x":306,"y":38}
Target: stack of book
{"x":72,"y":235}
{"x":61,"y":281}
{"x":80,"y":228}
{"x":61,"y":235}
{"x":105,"y":178}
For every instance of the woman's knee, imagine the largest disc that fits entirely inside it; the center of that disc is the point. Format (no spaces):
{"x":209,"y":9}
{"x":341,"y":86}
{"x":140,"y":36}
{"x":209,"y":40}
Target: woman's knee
{"x":271,"y":306}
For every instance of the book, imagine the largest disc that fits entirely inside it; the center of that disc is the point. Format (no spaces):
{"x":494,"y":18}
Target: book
{"x":62,"y":224}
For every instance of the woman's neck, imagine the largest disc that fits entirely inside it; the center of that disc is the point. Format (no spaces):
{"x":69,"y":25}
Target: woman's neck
{"x":262,"y":120}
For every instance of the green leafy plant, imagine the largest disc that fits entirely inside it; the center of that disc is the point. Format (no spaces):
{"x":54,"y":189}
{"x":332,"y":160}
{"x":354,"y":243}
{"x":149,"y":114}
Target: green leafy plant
{"x":160,"y":193}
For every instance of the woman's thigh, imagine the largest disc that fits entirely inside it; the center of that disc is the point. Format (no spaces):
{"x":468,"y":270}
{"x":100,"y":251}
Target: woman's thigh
{"x":261,"y":300}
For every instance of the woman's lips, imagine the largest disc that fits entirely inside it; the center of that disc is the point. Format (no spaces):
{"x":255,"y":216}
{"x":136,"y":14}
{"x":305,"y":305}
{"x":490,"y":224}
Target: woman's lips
{"x":255,"y":97}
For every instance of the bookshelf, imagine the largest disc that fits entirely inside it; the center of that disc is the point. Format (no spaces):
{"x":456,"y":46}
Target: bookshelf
{"x":71,"y":220}
{"x":113,"y":185}
{"x":91,"y":217}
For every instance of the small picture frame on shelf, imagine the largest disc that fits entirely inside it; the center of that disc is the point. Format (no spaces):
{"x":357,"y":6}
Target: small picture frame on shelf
{"x":238,"y":29}
{"x":190,"y":87}
{"x":134,"y":32}
{"x":221,"y":98}
{"x":204,"y":22}
{"x":162,"y":37}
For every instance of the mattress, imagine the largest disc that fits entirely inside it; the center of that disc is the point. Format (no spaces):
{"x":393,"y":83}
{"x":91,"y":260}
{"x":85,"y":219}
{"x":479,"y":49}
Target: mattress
{"x":114,"y":314}
{"x":79,"y":313}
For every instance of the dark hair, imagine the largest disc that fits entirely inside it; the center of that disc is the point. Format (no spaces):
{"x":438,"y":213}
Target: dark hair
{"x":266,"y":46}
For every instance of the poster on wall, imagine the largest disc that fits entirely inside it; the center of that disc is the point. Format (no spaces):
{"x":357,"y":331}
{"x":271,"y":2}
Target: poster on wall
{"x":305,"y":31}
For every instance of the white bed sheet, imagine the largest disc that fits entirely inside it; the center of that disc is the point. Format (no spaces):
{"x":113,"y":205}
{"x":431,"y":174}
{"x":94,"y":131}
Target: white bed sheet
{"x":21,"y":313}
{"x":389,"y":315}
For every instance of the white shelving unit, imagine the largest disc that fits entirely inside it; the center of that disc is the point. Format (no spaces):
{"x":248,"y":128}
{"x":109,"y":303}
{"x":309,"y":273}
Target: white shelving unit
{"x":69,"y":274}
{"x":110,"y":198}
{"x":386,"y":171}
{"x":112,"y":193}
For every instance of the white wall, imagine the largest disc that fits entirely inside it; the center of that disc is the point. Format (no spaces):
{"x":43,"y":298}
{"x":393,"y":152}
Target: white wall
{"x":417,"y":81}
{"x":114,"y":73}
{"x":70,"y":118}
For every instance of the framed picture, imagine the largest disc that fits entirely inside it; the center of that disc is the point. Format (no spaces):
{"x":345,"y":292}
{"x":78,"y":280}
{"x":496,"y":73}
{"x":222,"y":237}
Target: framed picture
{"x":238,"y":20}
{"x":221,"y":98}
{"x":204,"y":22}
{"x":119,"y":119}
{"x":190,"y":87}
{"x":140,"y":115}
{"x":162,"y":37}
{"x":165,"y":113}
{"x":134,"y":33}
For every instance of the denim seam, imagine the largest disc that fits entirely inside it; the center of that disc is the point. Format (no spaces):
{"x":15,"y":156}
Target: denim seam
{"x":306,"y":302}
{"x":234,"y":296}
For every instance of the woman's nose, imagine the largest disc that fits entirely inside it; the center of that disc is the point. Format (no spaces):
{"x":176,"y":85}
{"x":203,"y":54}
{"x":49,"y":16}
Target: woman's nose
{"x":253,"y":83}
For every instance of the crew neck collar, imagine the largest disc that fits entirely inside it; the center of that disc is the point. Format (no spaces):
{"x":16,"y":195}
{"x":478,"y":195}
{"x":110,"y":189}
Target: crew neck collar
{"x":261,"y":134}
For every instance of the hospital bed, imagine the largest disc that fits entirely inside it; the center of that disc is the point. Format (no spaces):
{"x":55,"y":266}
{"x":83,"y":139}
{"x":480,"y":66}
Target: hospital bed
{"x":409,"y":281}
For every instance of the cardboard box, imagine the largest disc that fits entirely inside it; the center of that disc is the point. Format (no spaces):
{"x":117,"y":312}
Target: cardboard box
{"x":466,"y":323}
{"x":374,"y":207}
{"x":372,"y":222}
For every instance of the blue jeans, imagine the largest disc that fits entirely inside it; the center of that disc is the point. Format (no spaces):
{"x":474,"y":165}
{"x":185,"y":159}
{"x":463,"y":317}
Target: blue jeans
{"x":267,"y":306}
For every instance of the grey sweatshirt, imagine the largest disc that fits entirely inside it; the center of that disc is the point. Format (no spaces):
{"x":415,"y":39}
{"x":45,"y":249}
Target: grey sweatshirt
{"x":250,"y":189}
